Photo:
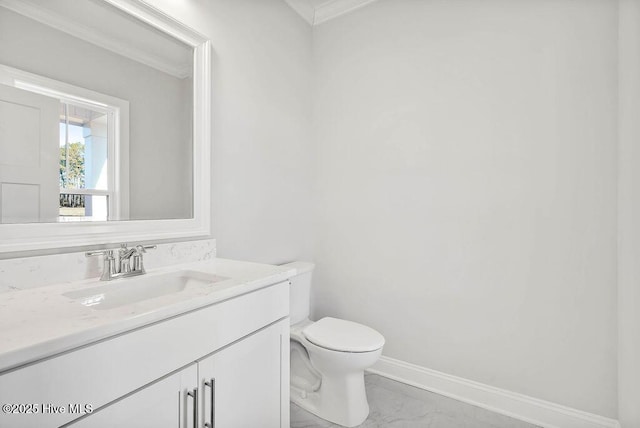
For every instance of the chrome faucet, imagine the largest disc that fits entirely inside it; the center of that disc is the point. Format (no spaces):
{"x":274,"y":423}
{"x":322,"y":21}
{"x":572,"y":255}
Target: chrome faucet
{"x":129,"y":262}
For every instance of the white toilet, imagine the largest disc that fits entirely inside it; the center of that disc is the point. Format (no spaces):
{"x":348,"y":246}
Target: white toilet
{"x":328,"y":358}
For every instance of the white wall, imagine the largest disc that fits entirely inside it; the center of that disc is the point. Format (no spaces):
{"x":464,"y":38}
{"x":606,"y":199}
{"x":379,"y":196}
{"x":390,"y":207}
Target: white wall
{"x":466,"y":155}
{"x":262,"y":158}
{"x":629,"y":212}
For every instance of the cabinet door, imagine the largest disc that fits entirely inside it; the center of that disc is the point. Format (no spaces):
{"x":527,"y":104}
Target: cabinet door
{"x":250,"y":381}
{"x":165,"y":403}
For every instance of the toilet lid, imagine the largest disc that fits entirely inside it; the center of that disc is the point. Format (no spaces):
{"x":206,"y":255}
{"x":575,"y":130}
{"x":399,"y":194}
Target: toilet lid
{"x":344,"y":336}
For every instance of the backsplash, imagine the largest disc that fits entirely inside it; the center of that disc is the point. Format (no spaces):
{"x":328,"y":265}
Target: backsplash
{"x":32,"y":272}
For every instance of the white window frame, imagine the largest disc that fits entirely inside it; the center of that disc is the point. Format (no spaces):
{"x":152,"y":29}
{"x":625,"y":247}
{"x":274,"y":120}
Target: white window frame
{"x":117,"y":184}
{"x":117,"y":111}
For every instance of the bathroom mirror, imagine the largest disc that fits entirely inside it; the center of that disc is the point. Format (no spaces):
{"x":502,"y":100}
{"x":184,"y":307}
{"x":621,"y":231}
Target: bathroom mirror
{"x":104,"y":124}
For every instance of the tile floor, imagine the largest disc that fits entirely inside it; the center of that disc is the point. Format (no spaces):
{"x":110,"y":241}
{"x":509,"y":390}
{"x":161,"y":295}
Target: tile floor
{"x":396,"y":405}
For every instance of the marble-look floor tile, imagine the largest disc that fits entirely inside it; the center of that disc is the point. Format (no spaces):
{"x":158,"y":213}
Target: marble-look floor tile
{"x":396,"y":405}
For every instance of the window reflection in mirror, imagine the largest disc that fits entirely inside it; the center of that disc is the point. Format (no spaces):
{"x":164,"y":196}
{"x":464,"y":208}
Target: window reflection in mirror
{"x":85,"y":148}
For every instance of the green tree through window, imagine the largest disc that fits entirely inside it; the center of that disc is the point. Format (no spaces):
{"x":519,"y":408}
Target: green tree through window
{"x":75,"y":179}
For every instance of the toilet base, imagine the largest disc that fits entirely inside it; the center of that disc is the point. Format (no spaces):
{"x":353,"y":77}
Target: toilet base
{"x":341,"y":400}
{"x":327,"y":382}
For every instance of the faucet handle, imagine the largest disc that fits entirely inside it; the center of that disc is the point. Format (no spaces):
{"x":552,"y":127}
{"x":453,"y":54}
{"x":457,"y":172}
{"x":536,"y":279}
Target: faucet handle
{"x":109,"y":263}
{"x":144,"y":248}
{"x":106,"y":253}
{"x":138,"y":264}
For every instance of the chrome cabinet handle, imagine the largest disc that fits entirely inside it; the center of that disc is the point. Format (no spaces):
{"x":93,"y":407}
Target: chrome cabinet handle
{"x":212,"y":384}
{"x":194,"y":395}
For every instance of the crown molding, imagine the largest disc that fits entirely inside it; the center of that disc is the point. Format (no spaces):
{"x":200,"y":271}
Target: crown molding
{"x":333,"y":9}
{"x":88,"y":34}
{"x":323,"y":12}
{"x":304,"y":9}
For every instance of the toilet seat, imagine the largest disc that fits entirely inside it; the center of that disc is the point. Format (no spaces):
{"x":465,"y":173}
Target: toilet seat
{"x":343,"y":336}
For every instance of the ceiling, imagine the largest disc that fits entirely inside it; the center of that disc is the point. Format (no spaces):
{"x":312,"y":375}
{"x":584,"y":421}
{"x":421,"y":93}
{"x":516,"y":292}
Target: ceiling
{"x":318,"y":11}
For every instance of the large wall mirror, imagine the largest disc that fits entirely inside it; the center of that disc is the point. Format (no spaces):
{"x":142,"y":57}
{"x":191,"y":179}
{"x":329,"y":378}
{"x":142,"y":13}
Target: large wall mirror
{"x":104,"y":124}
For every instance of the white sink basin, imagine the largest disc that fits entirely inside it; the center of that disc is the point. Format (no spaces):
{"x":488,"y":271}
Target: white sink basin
{"x":131,"y":290}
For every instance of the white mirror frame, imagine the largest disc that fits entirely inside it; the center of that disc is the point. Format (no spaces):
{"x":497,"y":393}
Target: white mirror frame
{"x":42,"y":236}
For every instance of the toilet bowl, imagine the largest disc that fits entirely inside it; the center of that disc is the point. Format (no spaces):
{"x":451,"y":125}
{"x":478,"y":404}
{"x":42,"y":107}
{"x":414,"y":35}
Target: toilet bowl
{"x":328,"y":359}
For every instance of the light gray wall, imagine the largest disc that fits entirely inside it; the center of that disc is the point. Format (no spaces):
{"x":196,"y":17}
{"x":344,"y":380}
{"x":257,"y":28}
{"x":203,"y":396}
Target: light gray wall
{"x":629,"y":213}
{"x":466,"y":156}
{"x":262,"y":147}
{"x":160,"y":134}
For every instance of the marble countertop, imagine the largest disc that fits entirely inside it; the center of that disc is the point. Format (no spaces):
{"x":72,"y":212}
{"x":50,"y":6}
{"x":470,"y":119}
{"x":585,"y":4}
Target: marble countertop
{"x":41,"y":322}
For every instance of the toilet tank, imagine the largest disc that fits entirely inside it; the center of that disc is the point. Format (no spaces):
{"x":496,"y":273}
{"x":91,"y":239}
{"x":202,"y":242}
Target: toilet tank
{"x":300,"y":291}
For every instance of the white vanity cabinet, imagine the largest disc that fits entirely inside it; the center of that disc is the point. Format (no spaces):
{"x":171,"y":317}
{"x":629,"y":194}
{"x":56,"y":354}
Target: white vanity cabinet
{"x":164,"y":403}
{"x":238,"y":386}
{"x":160,"y":375}
{"x":243,"y":383}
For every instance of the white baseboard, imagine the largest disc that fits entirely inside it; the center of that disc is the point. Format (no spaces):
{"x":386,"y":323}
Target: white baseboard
{"x":518,"y":406}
